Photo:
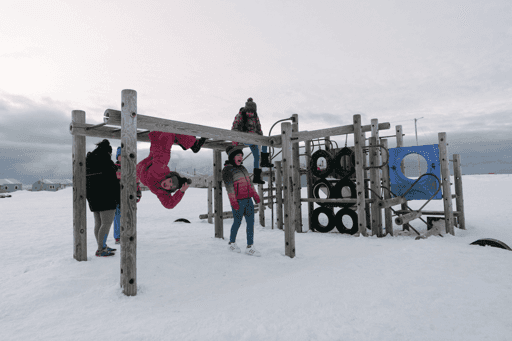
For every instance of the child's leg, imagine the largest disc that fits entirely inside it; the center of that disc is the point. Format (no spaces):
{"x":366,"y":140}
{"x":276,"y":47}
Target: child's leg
{"x":255,"y":154}
{"x":237,"y":216}
{"x":97,"y":224}
{"x":249,"y":219}
{"x":117,"y":223}
{"x":186,"y":141}
{"x":107,"y":217}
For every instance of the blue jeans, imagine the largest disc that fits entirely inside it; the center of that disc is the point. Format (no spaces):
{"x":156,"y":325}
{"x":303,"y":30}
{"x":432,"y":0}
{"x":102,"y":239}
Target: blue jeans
{"x":246,"y":209}
{"x":117,"y":223}
{"x":256,"y":154}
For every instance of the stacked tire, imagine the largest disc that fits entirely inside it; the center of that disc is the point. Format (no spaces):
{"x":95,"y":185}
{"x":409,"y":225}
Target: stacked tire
{"x":334,"y":188}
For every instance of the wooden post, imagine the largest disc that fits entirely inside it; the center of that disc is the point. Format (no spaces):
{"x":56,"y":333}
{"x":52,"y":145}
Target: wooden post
{"x":296,"y":176}
{"x":376,"y":213}
{"x":459,"y":201}
{"x":279,"y":195}
{"x":310,"y":182}
{"x":210,"y":202}
{"x":399,"y":144}
{"x":289,"y":207}
{"x":367,"y":184}
{"x":79,"y":193}
{"x":261,"y":206}
{"x":359,"y":155}
{"x":445,"y":181}
{"x":386,"y":183}
{"x":217,"y":182}
{"x":129,"y":192}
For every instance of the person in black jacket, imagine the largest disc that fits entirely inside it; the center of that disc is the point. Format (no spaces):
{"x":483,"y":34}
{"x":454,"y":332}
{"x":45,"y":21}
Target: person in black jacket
{"x":103,"y":193}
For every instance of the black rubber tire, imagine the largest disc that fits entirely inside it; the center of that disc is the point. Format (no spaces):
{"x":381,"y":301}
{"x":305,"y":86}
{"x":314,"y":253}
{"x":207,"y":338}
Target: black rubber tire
{"x":315,"y":223}
{"x":342,"y":171}
{"x":182,"y":220}
{"x":316,"y":190}
{"x":336,"y":191}
{"x":339,"y":221}
{"x":313,"y":164}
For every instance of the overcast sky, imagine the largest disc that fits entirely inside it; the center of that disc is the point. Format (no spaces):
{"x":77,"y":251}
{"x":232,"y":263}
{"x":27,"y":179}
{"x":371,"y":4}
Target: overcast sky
{"x":198,"y":61}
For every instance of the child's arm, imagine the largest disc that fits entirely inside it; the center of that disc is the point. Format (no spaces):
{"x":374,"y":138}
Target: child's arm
{"x":170,"y":201}
{"x":227,"y":177}
{"x":258,"y":126}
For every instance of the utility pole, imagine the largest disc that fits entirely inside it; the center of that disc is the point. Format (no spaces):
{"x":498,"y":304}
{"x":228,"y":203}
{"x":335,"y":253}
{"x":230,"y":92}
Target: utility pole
{"x":416,"y":132}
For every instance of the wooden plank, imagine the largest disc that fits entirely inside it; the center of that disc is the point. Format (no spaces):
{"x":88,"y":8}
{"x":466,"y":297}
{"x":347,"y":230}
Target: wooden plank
{"x":341,"y":130}
{"x":296,"y":176}
{"x":445,"y":181}
{"x":225,"y":215}
{"x":309,"y":182}
{"x":335,"y":201}
{"x":391,"y":202}
{"x":129,"y":192}
{"x":289,"y":208}
{"x":358,"y":151}
{"x":279,"y":194}
{"x":425,"y":213}
{"x":112,"y":117}
{"x":374,"y":158}
{"x":217,"y":195}
{"x":260,"y":205}
{"x":388,"y":220}
{"x":459,"y":200}
{"x":79,"y":191}
{"x":400,"y":143}
{"x":210,"y":202}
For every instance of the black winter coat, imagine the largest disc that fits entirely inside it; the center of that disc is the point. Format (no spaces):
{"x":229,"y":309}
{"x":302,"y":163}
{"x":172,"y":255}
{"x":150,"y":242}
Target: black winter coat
{"x":102,"y":187}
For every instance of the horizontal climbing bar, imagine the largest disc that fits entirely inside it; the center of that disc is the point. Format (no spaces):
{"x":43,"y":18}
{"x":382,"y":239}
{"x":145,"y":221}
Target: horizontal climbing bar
{"x":113,"y":117}
{"x":456,"y":213}
{"x":83,"y":129}
{"x":334,"y":201}
{"x":341,"y":130}
{"x":391,"y":202}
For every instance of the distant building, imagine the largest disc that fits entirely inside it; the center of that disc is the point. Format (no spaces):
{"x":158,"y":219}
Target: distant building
{"x":10,"y":185}
{"x":51,"y":185}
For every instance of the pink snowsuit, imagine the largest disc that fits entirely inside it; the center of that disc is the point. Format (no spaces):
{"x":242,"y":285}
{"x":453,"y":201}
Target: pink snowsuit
{"x":153,"y":169}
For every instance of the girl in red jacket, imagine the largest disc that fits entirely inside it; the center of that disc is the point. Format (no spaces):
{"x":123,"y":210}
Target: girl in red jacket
{"x":240,"y":192}
{"x":154,"y":172}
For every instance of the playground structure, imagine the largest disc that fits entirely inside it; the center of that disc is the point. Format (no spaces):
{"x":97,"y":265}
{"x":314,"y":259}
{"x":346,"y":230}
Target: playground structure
{"x":125,"y":125}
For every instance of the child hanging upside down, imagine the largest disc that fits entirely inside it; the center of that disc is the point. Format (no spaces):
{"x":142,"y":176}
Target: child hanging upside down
{"x":154,"y":172}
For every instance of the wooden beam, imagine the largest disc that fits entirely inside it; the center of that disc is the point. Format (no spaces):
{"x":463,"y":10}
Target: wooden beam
{"x":210,"y":202}
{"x":79,"y":191}
{"x":459,"y":199}
{"x":445,"y":182}
{"x":217,"y":189}
{"x":408,"y":217}
{"x":129,"y":192}
{"x":389,"y":202}
{"x":341,"y":130}
{"x":310,"y":183}
{"x":400,"y":143}
{"x":359,"y":155}
{"x":388,"y":220}
{"x":112,"y":117}
{"x":425,"y":213}
{"x":334,"y":201}
{"x":279,"y":194}
{"x":289,"y":208}
{"x":296,"y":177}
{"x":376,"y":212}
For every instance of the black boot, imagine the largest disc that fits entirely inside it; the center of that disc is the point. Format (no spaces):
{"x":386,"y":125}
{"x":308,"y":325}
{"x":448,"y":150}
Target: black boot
{"x":257,"y":177}
{"x":198,"y":144}
{"x":265,"y":160}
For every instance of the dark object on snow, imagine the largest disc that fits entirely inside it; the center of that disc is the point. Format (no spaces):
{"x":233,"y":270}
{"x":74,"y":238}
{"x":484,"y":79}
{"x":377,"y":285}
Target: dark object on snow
{"x":182,"y":220}
{"x":315,"y":223}
{"x":491,"y":242}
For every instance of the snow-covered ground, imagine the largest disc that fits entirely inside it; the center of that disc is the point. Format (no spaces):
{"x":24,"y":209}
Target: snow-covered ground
{"x":338,"y":287}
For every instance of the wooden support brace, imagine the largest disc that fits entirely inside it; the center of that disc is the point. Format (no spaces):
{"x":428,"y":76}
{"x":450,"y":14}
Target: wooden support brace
{"x":391,"y":202}
{"x":407,"y":217}
{"x":79,"y":191}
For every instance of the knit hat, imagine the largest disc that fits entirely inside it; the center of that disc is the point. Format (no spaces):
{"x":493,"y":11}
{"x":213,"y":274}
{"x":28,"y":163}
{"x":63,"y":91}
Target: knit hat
{"x":232,"y":151}
{"x":104,"y":146}
{"x":250,"y":105}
